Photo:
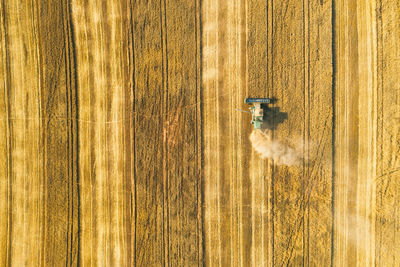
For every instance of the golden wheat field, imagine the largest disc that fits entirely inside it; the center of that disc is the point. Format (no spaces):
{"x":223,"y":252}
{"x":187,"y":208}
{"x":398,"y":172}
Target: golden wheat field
{"x":121,"y":143}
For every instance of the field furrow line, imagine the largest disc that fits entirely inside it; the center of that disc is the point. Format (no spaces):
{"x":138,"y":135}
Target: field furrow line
{"x":306,"y":129}
{"x":131,"y":177}
{"x":199,"y":169}
{"x":5,"y":126}
{"x":165,"y":132}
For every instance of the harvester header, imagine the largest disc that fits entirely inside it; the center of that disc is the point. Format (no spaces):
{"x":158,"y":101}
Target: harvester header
{"x":258,"y":100}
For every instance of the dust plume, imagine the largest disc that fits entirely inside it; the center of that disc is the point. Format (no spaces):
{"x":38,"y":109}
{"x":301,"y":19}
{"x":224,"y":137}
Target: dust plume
{"x":274,"y":149}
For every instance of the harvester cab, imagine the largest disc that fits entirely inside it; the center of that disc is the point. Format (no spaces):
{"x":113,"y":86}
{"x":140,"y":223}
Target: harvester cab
{"x":257,"y":110}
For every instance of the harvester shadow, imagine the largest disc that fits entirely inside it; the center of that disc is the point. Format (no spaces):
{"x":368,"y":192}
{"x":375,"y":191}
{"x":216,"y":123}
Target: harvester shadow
{"x":273,"y":117}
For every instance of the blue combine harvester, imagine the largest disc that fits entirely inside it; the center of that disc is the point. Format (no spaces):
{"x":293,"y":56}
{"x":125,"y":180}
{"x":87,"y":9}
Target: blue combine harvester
{"x":257,"y":111}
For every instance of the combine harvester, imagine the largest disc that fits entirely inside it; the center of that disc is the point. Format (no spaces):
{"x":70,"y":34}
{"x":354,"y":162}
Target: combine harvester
{"x":257,"y":110}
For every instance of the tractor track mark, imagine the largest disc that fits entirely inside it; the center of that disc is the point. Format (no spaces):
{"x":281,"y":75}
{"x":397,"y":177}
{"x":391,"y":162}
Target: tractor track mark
{"x":380,"y":59}
{"x":306,"y":130}
{"x":199,"y":138}
{"x":270,"y":84}
{"x":217,"y":111}
{"x":73,"y":135}
{"x":132,"y":139}
{"x":333,"y":133}
{"x":381,"y":120}
{"x":165,"y":205}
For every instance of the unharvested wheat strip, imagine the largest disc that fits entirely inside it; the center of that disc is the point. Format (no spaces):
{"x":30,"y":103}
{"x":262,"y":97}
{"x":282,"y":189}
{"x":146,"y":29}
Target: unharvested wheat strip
{"x":257,"y":176}
{"x":317,"y":126}
{"x":259,"y":173}
{"x":260,"y":216}
{"x":388,"y":150}
{"x":288,"y":81}
{"x":263,"y":199}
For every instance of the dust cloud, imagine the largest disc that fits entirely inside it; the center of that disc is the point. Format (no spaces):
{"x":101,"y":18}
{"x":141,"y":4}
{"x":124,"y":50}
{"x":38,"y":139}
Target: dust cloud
{"x":282,"y":154}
